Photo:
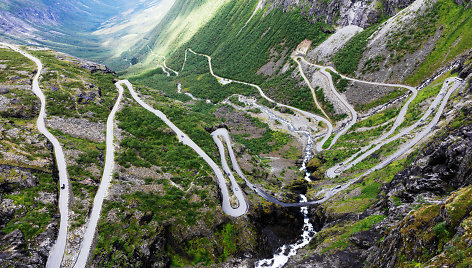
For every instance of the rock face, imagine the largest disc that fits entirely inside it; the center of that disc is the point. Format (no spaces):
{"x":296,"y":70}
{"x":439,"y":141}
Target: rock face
{"x":444,"y":168}
{"x":342,"y":12}
{"x":16,"y":250}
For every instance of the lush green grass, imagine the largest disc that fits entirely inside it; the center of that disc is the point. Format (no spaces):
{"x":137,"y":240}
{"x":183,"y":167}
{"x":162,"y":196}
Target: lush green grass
{"x":152,"y":143}
{"x":377,"y":119}
{"x":239,"y":56}
{"x":287,"y":90}
{"x":415,"y":112}
{"x":361,"y":138}
{"x":196,"y":79}
{"x":455,"y":22}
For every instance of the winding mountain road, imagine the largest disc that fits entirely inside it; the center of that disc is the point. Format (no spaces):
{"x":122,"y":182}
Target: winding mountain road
{"x":307,"y":81}
{"x":57,"y":252}
{"x":319,"y":146}
{"x":102,"y":192}
{"x":369,"y":150}
{"x":185,"y":139}
{"x":164,"y":66}
{"x":338,"y":168}
{"x":87,"y":243}
{"x":344,"y":102}
{"x":452,"y":83}
{"x":449,"y":86}
{"x":348,"y":163}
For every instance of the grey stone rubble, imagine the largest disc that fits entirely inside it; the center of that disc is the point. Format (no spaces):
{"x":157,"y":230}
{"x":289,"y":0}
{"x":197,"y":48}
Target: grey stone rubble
{"x":80,"y":128}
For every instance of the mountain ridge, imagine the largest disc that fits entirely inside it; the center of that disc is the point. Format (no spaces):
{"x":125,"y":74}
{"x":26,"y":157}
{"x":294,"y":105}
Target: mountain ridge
{"x":370,"y":125}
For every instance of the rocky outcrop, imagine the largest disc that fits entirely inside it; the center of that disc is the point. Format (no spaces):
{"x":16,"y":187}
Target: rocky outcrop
{"x":438,"y":177}
{"x":16,"y":250}
{"x":342,"y":12}
{"x":276,"y":227}
{"x":446,"y":166}
{"x":77,"y":127}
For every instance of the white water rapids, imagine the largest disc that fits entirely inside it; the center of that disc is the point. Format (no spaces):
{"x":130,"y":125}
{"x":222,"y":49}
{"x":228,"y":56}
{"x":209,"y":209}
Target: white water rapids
{"x":283,"y":254}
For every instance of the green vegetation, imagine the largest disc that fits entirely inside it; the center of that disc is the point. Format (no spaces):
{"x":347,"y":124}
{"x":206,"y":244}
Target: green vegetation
{"x":417,"y":106}
{"x":63,"y":92}
{"x":440,"y":230}
{"x":347,"y":59}
{"x":342,"y":241}
{"x":28,"y":187}
{"x":142,"y":216}
{"x":287,"y":90}
{"x":203,"y":251}
{"x":362,"y":138}
{"x":196,"y":79}
{"x":269,"y":142}
{"x":15,"y":66}
{"x":151,"y":142}
{"x":239,"y":56}
{"x":373,"y":64}
{"x":327,"y":105}
{"x":455,"y":23}
{"x":235,"y":100}
{"x":390,"y":96}
{"x":411,"y":39}
{"x":339,"y":82}
{"x":377,"y":119}
{"x":447,"y":247}
{"x":33,"y":214}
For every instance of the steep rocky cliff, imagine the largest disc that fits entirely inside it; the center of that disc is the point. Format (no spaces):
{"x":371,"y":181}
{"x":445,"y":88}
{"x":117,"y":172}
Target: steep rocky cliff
{"x":341,"y":12}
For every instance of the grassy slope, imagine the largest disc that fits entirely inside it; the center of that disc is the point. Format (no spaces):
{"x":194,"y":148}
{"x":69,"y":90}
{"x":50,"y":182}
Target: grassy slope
{"x":177,"y":27}
{"x":239,"y":56}
{"x":456,"y":24}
